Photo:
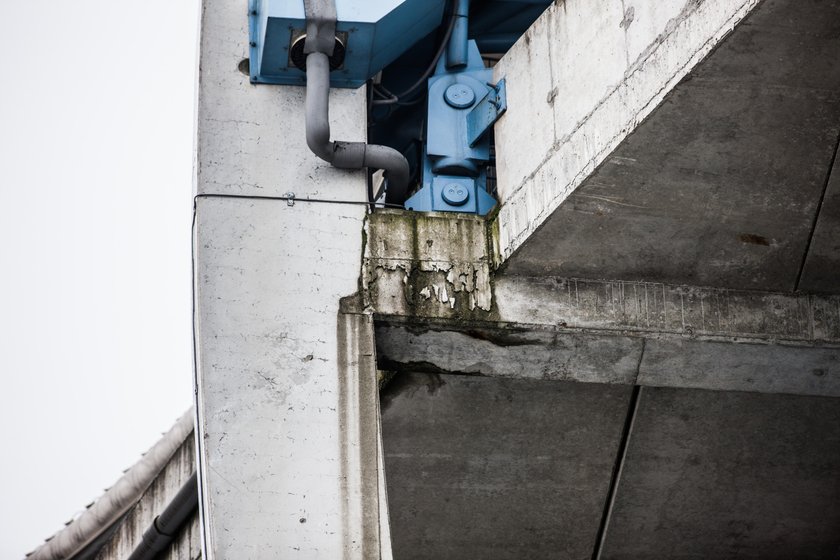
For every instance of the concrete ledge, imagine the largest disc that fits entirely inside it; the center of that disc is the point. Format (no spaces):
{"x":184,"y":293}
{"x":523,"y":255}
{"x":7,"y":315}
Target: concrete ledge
{"x":427,"y":280}
{"x":567,"y":112}
{"x":608,"y":357}
{"x":514,"y":353}
{"x":685,"y":311}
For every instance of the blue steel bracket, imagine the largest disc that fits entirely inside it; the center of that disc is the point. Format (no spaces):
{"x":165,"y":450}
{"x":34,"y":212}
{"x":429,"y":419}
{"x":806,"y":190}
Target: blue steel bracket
{"x":450,"y":193}
{"x":486,"y":112}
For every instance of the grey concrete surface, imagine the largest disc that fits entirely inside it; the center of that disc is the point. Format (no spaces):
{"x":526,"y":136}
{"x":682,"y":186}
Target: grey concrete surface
{"x":521,"y":354}
{"x":760,"y":368}
{"x":728,"y":475}
{"x":721,"y":185}
{"x":647,"y":360}
{"x":489,"y":469}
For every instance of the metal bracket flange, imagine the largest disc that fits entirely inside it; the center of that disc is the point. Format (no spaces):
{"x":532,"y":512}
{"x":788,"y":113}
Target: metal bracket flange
{"x":486,"y":112}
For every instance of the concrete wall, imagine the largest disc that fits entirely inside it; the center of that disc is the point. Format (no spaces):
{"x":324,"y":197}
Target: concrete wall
{"x":280,"y":436}
{"x":711,"y":474}
{"x":579,"y":81}
{"x":498,"y":468}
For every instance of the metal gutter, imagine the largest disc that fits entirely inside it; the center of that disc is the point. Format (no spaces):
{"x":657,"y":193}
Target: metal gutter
{"x":95,"y":520}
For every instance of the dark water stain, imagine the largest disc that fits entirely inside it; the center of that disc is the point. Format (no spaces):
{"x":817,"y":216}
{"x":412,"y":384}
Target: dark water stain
{"x":754,"y":239}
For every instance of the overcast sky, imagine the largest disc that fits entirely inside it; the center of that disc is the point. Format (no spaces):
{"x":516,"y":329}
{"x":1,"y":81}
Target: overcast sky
{"x":96,"y":133}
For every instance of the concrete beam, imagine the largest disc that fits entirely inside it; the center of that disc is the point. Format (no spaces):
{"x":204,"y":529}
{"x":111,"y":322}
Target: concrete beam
{"x":579,"y":81}
{"x":423,"y":274}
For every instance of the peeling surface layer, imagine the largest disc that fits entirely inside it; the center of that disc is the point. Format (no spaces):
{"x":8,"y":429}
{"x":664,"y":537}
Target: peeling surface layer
{"x":427,"y":263}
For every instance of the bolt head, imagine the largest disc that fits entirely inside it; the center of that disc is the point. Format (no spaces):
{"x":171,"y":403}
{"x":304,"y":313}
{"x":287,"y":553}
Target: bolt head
{"x":459,"y":96}
{"x":455,"y":194}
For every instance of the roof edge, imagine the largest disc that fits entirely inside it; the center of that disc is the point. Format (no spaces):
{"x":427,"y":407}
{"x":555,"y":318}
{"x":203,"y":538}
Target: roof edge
{"x":83,"y":530}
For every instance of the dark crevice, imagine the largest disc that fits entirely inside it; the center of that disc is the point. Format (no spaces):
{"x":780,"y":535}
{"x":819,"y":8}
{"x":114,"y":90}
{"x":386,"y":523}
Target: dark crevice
{"x":632,"y":407}
{"x":817,"y":214}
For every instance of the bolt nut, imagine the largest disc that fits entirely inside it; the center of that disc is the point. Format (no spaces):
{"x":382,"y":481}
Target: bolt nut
{"x":455,"y":194}
{"x":459,"y":96}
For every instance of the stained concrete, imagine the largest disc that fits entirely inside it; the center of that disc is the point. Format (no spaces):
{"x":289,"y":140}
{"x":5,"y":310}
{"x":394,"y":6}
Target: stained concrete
{"x":721,"y":185}
{"x":648,"y":360}
{"x":489,"y":469}
{"x":728,"y":475}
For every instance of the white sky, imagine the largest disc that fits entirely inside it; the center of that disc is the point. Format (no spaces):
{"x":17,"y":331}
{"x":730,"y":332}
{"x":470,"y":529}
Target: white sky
{"x":96,"y":131}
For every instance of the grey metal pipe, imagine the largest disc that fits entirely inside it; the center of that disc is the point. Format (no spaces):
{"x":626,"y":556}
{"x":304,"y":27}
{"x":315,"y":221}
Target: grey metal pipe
{"x":457,"y":49}
{"x":346,"y":155}
{"x":166,"y":526}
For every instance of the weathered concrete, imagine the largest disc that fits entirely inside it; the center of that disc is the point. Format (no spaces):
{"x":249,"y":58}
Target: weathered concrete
{"x":728,"y":475}
{"x":498,"y":468}
{"x":521,"y":354}
{"x":579,"y":81}
{"x":426,"y":263}
{"x":610,"y":357}
{"x":720,"y":186}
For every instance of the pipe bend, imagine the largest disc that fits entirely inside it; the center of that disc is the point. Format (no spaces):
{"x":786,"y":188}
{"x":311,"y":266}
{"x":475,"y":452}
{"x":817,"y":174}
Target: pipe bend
{"x":317,"y":106}
{"x":396,"y":170}
{"x":346,"y":155}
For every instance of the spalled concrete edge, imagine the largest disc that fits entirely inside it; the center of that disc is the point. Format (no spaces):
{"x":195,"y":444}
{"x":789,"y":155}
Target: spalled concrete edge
{"x":426,"y":263}
{"x":528,"y":201}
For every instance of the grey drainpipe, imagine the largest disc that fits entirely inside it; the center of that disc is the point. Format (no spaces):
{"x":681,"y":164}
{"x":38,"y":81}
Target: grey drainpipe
{"x":168,"y":524}
{"x":320,"y":41}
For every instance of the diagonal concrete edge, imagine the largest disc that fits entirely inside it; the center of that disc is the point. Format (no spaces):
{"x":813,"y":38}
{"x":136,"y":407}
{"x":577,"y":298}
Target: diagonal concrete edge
{"x":567,"y":112}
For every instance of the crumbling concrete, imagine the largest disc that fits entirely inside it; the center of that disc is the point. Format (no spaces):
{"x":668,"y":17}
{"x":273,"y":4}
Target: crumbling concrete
{"x":584,"y":330}
{"x":427,"y":264}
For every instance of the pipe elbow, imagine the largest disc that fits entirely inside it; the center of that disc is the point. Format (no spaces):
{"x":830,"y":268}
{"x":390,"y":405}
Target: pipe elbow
{"x":318,"y":141}
{"x":317,"y":106}
{"x":346,"y":155}
{"x":396,"y":170}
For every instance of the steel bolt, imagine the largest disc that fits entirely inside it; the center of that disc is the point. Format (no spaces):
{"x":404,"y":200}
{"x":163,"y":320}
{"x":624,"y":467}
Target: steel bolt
{"x":459,"y":96}
{"x":455,"y":194}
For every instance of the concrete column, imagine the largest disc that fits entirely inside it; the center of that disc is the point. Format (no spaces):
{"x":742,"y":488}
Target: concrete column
{"x":285,"y":385}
